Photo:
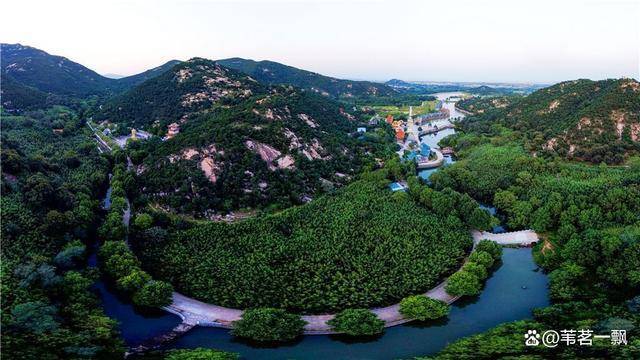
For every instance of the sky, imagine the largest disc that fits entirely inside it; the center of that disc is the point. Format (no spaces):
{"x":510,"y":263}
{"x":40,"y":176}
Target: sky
{"x":541,"y":41}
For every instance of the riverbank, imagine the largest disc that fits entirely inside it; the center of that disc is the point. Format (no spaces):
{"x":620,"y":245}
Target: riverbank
{"x":510,"y":293}
{"x":195,"y":312}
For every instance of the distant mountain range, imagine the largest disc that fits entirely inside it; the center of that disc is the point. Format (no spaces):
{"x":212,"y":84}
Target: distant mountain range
{"x":270,"y":72}
{"x":32,"y":78}
{"x":423,"y":87}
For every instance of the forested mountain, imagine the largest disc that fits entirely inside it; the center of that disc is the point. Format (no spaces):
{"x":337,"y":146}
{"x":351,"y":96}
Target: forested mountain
{"x":240,"y":143}
{"x":34,"y":79}
{"x":582,"y":119}
{"x":270,"y":72}
{"x":187,"y":88}
{"x":50,"y":73}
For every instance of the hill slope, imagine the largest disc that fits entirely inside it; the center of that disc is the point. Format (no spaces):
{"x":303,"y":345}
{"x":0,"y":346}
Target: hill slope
{"x":270,"y":72}
{"x":582,"y":119}
{"x":240,"y":143}
{"x":31,"y":77}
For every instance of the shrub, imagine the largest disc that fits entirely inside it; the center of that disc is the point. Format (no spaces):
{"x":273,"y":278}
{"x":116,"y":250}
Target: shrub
{"x":476,"y":269}
{"x":268,"y":324}
{"x":482,"y":258}
{"x":463,"y":283}
{"x":357,"y":322}
{"x":423,"y":308}
{"x":491,"y":247}
{"x":200,"y":354}
{"x":154,"y":294}
{"x":134,"y":281}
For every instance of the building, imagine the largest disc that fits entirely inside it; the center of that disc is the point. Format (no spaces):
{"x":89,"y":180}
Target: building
{"x":425,"y":150}
{"x":395,"y":186}
{"x":362,"y":130}
{"x":172,"y":130}
{"x":399,"y":134}
{"x":389,"y":119}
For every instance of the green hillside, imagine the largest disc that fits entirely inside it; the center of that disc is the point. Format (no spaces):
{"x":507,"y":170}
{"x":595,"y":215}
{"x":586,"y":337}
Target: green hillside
{"x":586,"y":120}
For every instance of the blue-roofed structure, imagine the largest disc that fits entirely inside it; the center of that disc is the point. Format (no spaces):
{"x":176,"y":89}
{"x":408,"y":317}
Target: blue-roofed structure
{"x":425,"y":150}
{"x":396,"y":186}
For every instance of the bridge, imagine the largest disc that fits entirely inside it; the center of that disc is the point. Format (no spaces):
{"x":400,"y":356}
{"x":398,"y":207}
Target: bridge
{"x":435,"y":129}
{"x":430,"y":164}
{"x":524,"y":238}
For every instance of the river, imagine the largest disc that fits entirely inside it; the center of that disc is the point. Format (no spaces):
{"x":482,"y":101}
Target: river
{"x":513,"y":290}
{"x":433,"y":139}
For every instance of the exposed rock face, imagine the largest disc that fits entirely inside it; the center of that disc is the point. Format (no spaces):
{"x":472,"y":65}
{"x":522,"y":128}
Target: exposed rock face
{"x":307,"y":119}
{"x":270,"y":155}
{"x":207,"y":160}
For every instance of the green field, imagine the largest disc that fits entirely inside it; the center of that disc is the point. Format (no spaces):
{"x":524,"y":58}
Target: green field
{"x":397,"y":111}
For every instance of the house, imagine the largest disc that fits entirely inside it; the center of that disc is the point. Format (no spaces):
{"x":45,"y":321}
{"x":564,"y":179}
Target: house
{"x":399,"y":134}
{"x":362,"y":130}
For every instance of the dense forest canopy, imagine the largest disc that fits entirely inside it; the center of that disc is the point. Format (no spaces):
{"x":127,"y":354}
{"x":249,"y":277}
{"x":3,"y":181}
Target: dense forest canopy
{"x":330,"y":254}
{"x":589,"y":220}
{"x":52,"y":174}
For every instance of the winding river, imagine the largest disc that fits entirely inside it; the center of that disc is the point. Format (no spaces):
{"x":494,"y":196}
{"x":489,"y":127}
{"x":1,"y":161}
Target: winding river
{"x":513,"y":290}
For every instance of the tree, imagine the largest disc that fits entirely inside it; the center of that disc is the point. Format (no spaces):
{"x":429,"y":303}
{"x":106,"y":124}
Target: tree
{"x":490,"y":247}
{"x":463,"y":283}
{"x":476,"y":269}
{"x":564,"y":283}
{"x":143,"y":221}
{"x":482,"y":258}
{"x":35,"y":316}
{"x":154,"y":293}
{"x":268,"y":325}
{"x":136,"y":280}
{"x":357,"y":322}
{"x":423,"y":308}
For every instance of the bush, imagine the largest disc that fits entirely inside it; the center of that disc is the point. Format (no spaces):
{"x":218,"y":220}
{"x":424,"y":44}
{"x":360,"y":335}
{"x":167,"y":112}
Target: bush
{"x":476,"y":269}
{"x":134,"y":281}
{"x":482,"y":258}
{"x":357,"y":322}
{"x":423,"y":308}
{"x":491,"y":247}
{"x":463,"y":283}
{"x":143,"y":221}
{"x":268,"y":325}
{"x":154,"y":294}
{"x":200,"y":354}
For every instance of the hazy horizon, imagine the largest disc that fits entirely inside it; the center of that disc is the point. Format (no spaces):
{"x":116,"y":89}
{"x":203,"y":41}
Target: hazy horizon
{"x":457,"y":41}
